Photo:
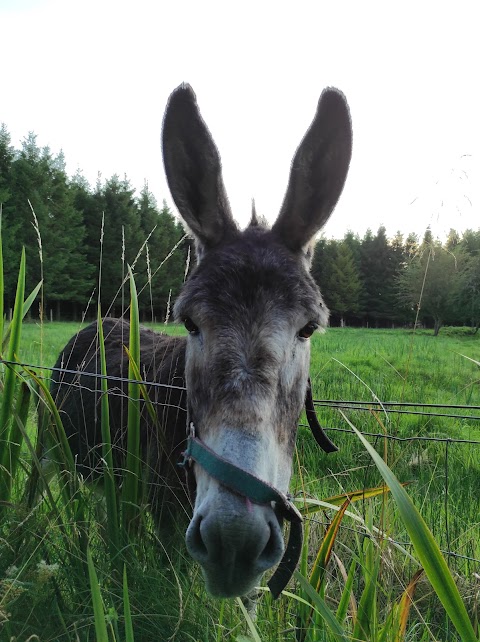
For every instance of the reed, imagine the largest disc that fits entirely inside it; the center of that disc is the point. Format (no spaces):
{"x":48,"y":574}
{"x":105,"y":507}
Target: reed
{"x":61,"y":578}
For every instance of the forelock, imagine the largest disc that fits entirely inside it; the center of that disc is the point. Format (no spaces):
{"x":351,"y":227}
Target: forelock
{"x":251,"y":271}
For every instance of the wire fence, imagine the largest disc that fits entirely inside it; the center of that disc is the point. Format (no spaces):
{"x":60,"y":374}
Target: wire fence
{"x":428,"y":410}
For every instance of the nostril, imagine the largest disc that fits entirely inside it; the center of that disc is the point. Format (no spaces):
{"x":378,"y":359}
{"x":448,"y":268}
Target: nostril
{"x":235,"y":547}
{"x":273,"y":550}
{"x":195,"y":544}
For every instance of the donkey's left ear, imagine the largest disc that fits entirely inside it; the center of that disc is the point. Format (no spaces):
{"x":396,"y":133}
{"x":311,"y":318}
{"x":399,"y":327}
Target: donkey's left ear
{"x":318,"y":173}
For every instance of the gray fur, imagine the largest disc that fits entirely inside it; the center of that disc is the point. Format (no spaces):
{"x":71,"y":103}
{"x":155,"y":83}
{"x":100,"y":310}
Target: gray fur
{"x":245,"y":365}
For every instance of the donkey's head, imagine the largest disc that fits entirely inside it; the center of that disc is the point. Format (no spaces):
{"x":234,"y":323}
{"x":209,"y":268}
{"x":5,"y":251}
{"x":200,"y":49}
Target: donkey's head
{"x":250,"y":307}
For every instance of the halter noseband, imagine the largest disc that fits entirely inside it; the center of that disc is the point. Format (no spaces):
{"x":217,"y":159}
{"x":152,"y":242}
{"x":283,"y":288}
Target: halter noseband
{"x":258,"y":491}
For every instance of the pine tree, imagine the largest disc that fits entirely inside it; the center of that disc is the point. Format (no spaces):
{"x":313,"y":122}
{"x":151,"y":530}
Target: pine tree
{"x":453,"y":240}
{"x":411,"y":246}
{"x":347,"y":288}
{"x":92,"y":206}
{"x":122,"y":241}
{"x":318,"y":269}
{"x":166,"y":268}
{"x":379,"y":273}
{"x":468,"y":295}
{"x":322,"y":268}
{"x":430,"y":282}
{"x":354,"y":243}
{"x":7,"y":155}
{"x":471,"y":242}
{"x":29,"y":188}
{"x":10,"y":226}
{"x":399,"y":261}
{"x":67,"y":273}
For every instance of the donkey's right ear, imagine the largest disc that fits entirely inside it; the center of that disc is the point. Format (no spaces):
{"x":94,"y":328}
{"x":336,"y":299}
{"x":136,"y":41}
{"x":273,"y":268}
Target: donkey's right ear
{"x":194,"y":172}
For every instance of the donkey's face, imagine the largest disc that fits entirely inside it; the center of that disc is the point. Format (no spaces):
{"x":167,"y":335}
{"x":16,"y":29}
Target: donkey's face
{"x":250,"y":307}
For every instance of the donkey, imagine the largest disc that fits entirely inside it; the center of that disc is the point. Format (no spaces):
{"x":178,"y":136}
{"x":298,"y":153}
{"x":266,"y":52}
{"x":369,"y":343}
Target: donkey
{"x":239,"y":378}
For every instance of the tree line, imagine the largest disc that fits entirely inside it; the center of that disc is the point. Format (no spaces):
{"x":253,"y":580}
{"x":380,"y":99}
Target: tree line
{"x":79,"y":241}
{"x":379,"y":282}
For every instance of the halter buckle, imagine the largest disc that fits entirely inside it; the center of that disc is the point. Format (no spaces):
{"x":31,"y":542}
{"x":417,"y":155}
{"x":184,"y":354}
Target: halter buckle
{"x":186,"y":454}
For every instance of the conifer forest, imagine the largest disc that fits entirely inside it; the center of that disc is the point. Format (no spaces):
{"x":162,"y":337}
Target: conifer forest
{"x":80,"y":239}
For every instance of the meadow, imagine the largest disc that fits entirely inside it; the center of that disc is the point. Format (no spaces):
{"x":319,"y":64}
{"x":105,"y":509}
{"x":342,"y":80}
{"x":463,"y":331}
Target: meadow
{"x":46,"y":583}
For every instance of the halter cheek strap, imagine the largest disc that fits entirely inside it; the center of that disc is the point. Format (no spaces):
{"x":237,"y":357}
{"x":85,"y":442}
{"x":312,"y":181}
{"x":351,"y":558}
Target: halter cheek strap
{"x":256,"y":490}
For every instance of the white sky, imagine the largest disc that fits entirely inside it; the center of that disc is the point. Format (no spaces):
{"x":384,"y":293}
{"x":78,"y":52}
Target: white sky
{"x":92,"y":77}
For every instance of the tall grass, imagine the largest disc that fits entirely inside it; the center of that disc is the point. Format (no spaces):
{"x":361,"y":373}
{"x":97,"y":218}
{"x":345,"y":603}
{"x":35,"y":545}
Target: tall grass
{"x":131,"y":491}
{"x":360,"y":576}
{"x":10,"y":447}
{"x":113,"y":524}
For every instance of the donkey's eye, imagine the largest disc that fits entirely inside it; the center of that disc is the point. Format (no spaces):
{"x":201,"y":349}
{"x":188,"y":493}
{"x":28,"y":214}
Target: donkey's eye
{"x":307,"y":330}
{"x":190,"y":326}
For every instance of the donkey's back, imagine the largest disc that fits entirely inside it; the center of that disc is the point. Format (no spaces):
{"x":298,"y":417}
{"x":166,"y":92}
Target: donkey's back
{"x":77,"y":392}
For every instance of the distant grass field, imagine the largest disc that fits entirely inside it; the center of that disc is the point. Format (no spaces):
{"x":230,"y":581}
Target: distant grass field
{"x":355,"y":364}
{"x":347,"y":364}
{"x":389,"y":365}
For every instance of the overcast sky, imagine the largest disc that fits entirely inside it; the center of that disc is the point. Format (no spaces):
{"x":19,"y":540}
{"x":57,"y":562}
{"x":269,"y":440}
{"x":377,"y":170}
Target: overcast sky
{"x":92,"y":77}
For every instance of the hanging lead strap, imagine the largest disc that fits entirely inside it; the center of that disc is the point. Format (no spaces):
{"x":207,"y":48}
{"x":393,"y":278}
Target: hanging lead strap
{"x":317,"y":431}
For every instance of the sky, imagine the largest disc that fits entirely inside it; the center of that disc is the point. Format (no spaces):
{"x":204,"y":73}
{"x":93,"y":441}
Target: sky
{"x":93,"y":77}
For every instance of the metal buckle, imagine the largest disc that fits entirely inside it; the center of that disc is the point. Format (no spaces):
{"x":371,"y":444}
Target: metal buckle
{"x":187,"y":459}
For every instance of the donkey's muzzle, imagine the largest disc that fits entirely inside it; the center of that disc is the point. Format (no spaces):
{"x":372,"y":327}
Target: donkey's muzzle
{"x":234,"y":542}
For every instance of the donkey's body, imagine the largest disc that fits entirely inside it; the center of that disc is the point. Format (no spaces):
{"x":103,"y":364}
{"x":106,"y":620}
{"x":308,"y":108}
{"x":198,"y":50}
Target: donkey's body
{"x":162,"y":360}
{"x":250,"y":307}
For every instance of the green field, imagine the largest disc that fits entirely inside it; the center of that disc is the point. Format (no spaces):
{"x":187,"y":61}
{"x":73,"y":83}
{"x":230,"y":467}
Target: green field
{"x":43,"y":589}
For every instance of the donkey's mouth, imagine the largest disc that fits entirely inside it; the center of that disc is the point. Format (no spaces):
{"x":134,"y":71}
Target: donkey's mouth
{"x":223,"y":588}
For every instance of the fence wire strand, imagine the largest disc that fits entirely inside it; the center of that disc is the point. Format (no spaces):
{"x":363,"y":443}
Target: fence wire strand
{"x":354,"y":405}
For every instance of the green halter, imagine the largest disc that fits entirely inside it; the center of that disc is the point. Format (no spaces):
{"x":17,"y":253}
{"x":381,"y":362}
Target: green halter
{"x":259,"y":492}
{"x":256,"y":490}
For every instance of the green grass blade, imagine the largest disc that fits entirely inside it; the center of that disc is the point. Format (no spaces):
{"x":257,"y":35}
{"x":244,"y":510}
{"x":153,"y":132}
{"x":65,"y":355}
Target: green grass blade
{"x":346,"y":593}
{"x":352,"y":496}
{"x":10,"y":380}
{"x":16,"y":436}
{"x":425,"y":547}
{"x":108,"y":471}
{"x":396,"y":622}
{"x":304,"y":610}
{"x":131,"y":496}
{"x":143,"y":391}
{"x":317,"y":576}
{"x":325,"y":550}
{"x":126,"y":609}
{"x":62,"y":454}
{"x":248,"y":620}
{"x":390,"y":628}
{"x":365,"y":624}
{"x":359,"y":520}
{"x":320,"y":605}
{"x":2,"y":282}
{"x":66,"y":460}
{"x":27,"y":304}
{"x":17,"y":431}
{"x":101,"y":634}
{"x":37,"y":473}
